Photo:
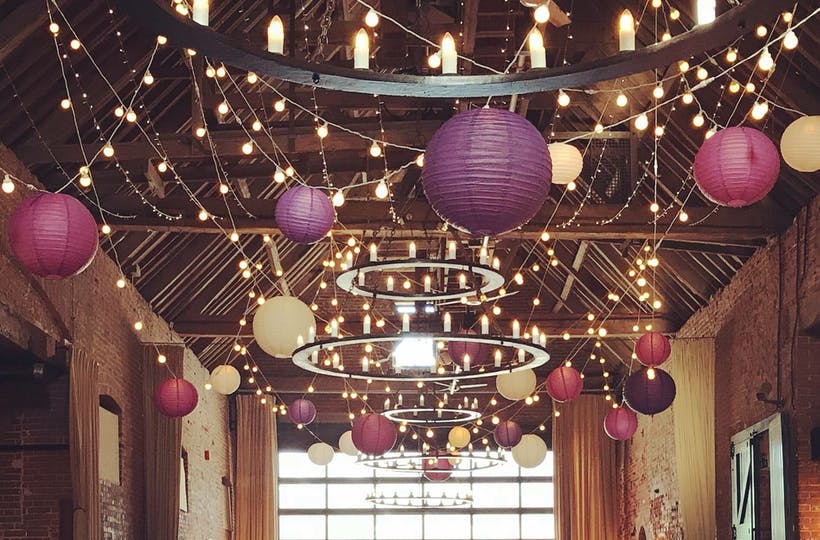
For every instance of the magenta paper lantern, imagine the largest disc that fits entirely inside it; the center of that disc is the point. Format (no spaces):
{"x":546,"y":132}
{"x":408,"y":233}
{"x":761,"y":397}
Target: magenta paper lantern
{"x":175,"y":397}
{"x":564,"y":384}
{"x":479,"y":352}
{"x":302,"y":411}
{"x":53,"y":235}
{"x":737,"y":166}
{"x":373,"y":434}
{"x":649,"y":391}
{"x":437,"y":470}
{"x":652,"y":349}
{"x":621,"y":423}
{"x":487,"y":171}
{"x":304,"y":214}
{"x":507,"y":434}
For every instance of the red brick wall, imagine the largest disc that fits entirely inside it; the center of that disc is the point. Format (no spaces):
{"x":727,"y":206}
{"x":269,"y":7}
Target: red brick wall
{"x":743,"y":320}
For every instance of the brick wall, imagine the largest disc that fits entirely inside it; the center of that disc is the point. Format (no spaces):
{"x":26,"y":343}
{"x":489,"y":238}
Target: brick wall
{"x":100,"y":318}
{"x":743,"y":320}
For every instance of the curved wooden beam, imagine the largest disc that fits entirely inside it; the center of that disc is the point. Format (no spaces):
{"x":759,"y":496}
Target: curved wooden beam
{"x":159,"y":17}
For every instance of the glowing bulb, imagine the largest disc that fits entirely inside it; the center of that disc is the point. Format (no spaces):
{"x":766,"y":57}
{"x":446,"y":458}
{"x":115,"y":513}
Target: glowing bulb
{"x":654,"y":208}
{"x":247,"y":148}
{"x":372,"y":18}
{"x":382,"y":191}
{"x":106,"y":228}
{"x":252,"y":78}
{"x":119,"y":112}
{"x":760,"y":109}
{"x":731,"y":55}
{"x":434,"y":60}
{"x":621,"y":100}
{"x":322,"y":131}
{"x":130,"y":116}
{"x":734,"y":87}
{"x":203,"y":215}
{"x":148,"y":78}
{"x":541,"y":14}
{"x":698,"y":120}
{"x":705,"y":11}
{"x":200,"y":132}
{"x":256,"y":126}
{"x":279,"y":105}
{"x":683,"y":217}
{"x":375,"y":149}
{"x":571,"y":186}
{"x":289,"y":171}
{"x":161,"y":358}
{"x":223,"y":188}
{"x":650,"y":374}
{"x":790,"y":40}
{"x":787,"y":17}
{"x":338,"y":198}
{"x":162,"y":40}
{"x":138,"y":326}
{"x":659,"y":131}
{"x":666,"y":36}
{"x":683,"y":66}
{"x":108,"y":150}
{"x":563,"y":98}
{"x":657,"y":92}
{"x":656,"y":3}
{"x":420,"y":160}
{"x":54,"y":28}
{"x":223,"y":108}
{"x":702,"y":74}
{"x":65,"y":104}
{"x":121,"y":283}
{"x":642,"y":122}
{"x":210,"y":72}
{"x":599,"y":128}
{"x":8,"y":185}
{"x":688,"y":98}
{"x":750,"y":87}
{"x":674,"y":14}
{"x":761,"y":31}
{"x":765,"y":62}
{"x":279,"y":176}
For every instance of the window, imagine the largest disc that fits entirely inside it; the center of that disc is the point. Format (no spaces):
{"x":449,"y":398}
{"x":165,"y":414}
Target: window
{"x":328,"y":503}
{"x":109,"y":441}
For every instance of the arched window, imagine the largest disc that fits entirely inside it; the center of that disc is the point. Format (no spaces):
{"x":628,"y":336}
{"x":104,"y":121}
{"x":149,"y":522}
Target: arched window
{"x":109,"y":440}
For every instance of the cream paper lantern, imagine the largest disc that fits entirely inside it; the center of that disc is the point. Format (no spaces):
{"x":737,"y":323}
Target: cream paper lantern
{"x":459,"y":437}
{"x":346,"y":445}
{"x":516,"y":385}
{"x":225,"y":379}
{"x":567,"y":162}
{"x":530,"y":452}
{"x":320,"y":453}
{"x":800,"y":144}
{"x":279,"y":324}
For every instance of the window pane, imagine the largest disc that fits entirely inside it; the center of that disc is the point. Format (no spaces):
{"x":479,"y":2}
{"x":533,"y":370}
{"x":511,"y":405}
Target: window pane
{"x":301,"y":527}
{"x":508,"y":468}
{"x":298,"y":496}
{"x":495,"y":496}
{"x":348,"y":495}
{"x":350,"y":527}
{"x":538,"y":526}
{"x":446,"y":526}
{"x":109,"y":441}
{"x":344,"y":466}
{"x":297,"y":465}
{"x":537,"y":495}
{"x":496,"y":526}
{"x":398,"y":526}
{"x":545,"y":469}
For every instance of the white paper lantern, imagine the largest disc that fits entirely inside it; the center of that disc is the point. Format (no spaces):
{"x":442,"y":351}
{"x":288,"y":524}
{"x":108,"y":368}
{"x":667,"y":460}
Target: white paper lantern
{"x":567,"y":162}
{"x":279,"y":323}
{"x":800,"y":145}
{"x":459,"y":437}
{"x":516,"y":385}
{"x":530,"y":452}
{"x":225,"y":379}
{"x":346,"y":444}
{"x":320,"y":453}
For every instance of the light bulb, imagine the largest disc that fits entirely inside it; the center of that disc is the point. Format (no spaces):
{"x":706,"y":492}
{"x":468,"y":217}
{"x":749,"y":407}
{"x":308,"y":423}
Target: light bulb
{"x":654,"y":208}
{"x":338,"y":198}
{"x":138,"y":326}
{"x":210,"y":72}
{"x":683,"y":217}
{"x":372,"y":18}
{"x":85,"y":180}
{"x":563,"y":98}
{"x":8,"y":185}
{"x":119,"y":112}
{"x":223,"y":108}
{"x":223,"y":188}
{"x":108,"y":150}
{"x":656,"y":3}
{"x":650,"y":374}
{"x":734,"y":87}
{"x":571,"y":186}
{"x":765,"y":62}
{"x":420,"y":160}
{"x":657,"y":92}
{"x":683,"y":66}
{"x":106,"y":228}
{"x":434,"y":60}
{"x":642,"y":122}
{"x":252,"y":78}
{"x":659,"y":131}
{"x":162,"y":40}
{"x":200,"y":132}
{"x":687,"y":98}
{"x":698,"y":120}
{"x":731,"y":55}
{"x":203,"y":215}
{"x":322,"y":131}
{"x":382,"y":191}
{"x":787,"y":16}
{"x":279,"y":105}
{"x":760,"y":109}
{"x":621,"y":100}
{"x":54,"y":28}
{"x":148,"y":79}
{"x":256,"y":126}
{"x":666,"y":36}
{"x":247,"y":148}
{"x":375,"y":149}
{"x":279,"y":175}
{"x":702,"y":73}
{"x":289,"y":171}
{"x":130,"y":116}
{"x":65,"y":104}
{"x":541,"y":14}
{"x":761,"y":31}
{"x":750,"y":87}
{"x":121,"y":283}
{"x":599,"y":128}
{"x":790,"y":40}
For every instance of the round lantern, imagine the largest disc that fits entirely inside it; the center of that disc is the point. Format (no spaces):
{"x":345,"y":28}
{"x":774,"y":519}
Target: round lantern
{"x":320,"y":453}
{"x":516,"y":385}
{"x":649,"y":391}
{"x":507,"y":434}
{"x":225,"y":379}
{"x":459,"y":437}
{"x":737,"y":167}
{"x":304,"y":214}
{"x":280,"y":322}
{"x":346,"y":445}
{"x":564,"y":384}
{"x":373,"y":434}
{"x":652,"y":349}
{"x":800,"y":142}
{"x":530,"y":452}
{"x":487,"y":171}
{"x":175,"y":397}
{"x":437,"y":470}
{"x":53,"y":235}
{"x":479,"y":352}
{"x":621,"y":423}
{"x":567,"y":162}
{"x":302,"y":412}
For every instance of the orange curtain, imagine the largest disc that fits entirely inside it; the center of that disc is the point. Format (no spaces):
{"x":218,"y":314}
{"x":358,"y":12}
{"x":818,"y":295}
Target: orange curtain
{"x":163,"y":446}
{"x":585,"y":472}
{"x":256,"y":456}
{"x":84,"y":444}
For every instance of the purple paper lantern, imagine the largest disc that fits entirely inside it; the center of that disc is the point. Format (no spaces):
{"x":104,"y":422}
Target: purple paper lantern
{"x":564,"y":384}
{"x":738,"y":166}
{"x":302,"y":411}
{"x":649,"y":391}
{"x":304,"y":214}
{"x":507,"y":434}
{"x":437,"y":469}
{"x":479,"y":352}
{"x":373,"y":434}
{"x":175,"y":397}
{"x":621,"y":423}
{"x":53,"y":235}
{"x":487,"y":171}
{"x":652,"y":349}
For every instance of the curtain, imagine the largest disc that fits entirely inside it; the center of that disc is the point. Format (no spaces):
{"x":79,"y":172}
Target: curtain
{"x":692,"y":365}
{"x":84,"y":426}
{"x":256,"y":457}
{"x":163,"y":446}
{"x":585,"y":472}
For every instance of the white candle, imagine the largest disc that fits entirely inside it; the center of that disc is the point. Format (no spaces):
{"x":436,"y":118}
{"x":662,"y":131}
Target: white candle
{"x":276,"y":36}
{"x":535,"y":335}
{"x":335,"y":361}
{"x":373,"y":256}
{"x":311,"y":334}
{"x":497,"y":358}
{"x":365,"y":364}
{"x":361,"y":279}
{"x":449,"y":57}
{"x":482,"y":256}
{"x":334,"y":328}
{"x":706,"y":11}
{"x":451,"y":251}
{"x":366,"y":324}
{"x":401,"y":400}
{"x":405,"y":323}
{"x":538,"y":54}
{"x":390,"y":283}
{"x":387,"y":403}
{"x":421,"y":400}
{"x":448,"y":323}
{"x":462,"y":281}
{"x":201,"y":10}
{"x":361,"y":50}
{"x":485,"y":324}
{"x":516,"y":329}
{"x":626,"y":31}
{"x":300,"y":340}
{"x":466,"y":362}
{"x":427,"y":284}
{"x":542,"y":340}
{"x":496,"y":263}
{"x":521,"y":356}
{"x":314,"y":358}
{"x":412,"y":250}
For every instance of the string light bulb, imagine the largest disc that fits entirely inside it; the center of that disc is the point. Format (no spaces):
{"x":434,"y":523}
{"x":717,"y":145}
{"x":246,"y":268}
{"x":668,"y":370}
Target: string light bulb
{"x":563,"y":99}
{"x":372,"y":18}
{"x":702,"y":74}
{"x":434,"y":60}
{"x":642,"y":122}
{"x":8,"y":185}
{"x":790,"y":40}
{"x":108,"y":150}
{"x":734,"y":87}
{"x":338,"y":198}
{"x":765,"y":62}
{"x":731,"y":55}
{"x":375,"y":149}
{"x":761,"y":31}
{"x":687,"y":98}
{"x":148,"y":78}
{"x":65,"y":104}
{"x":541,"y":14}
{"x":621,"y":100}
{"x":322,"y":131}
{"x":382,"y":191}
{"x":247,"y":148}
{"x":279,"y":105}
{"x":657,"y":92}
{"x":760,"y":109}
{"x":279,"y":175}
{"x":698,"y":120}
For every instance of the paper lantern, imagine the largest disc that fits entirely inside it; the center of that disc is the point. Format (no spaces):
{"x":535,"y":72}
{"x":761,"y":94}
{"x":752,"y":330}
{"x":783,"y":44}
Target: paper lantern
{"x":564,"y":384}
{"x":507,"y":434}
{"x":516,"y":385}
{"x":373,"y":434}
{"x":621,"y":423}
{"x":652,"y":349}
{"x":800,"y":143}
{"x":459,"y":437}
{"x":530,"y":452}
{"x":225,"y":379}
{"x":479,"y":352}
{"x":487,"y":171}
{"x":567,"y":162}
{"x":53,"y":235}
{"x":304,"y":214}
{"x":320,"y":453}
{"x":346,"y":445}
{"x":649,"y":391}
{"x":175,"y":397}
{"x":437,"y":469}
{"x":737,"y":166}
{"x":280,"y":322}
{"x":302,"y":412}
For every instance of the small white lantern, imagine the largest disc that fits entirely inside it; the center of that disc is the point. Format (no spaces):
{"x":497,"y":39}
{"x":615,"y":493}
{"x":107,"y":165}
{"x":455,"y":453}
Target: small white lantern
{"x":517,"y":385}
{"x":530,"y":451}
{"x":346,"y":445}
{"x":459,"y":437}
{"x":320,"y":454}
{"x":567,"y":163}
{"x":800,"y":144}
{"x":280,"y":322}
{"x":225,"y":379}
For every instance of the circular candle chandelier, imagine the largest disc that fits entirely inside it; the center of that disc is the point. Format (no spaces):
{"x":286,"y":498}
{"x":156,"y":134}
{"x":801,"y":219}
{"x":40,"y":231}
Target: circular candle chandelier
{"x":420,"y":500}
{"x":414,"y":462}
{"x":431,"y":416}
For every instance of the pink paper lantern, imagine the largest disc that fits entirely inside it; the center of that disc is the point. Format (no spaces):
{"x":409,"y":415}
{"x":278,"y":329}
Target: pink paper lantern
{"x":507,"y":434}
{"x":737,"y":166}
{"x":564,"y":384}
{"x":479,"y":352}
{"x":373,"y":434}
{"x":175,"y":397}
{"x":437,"y":470}
{"x":53,"y":235}
{"x":621,"y":423}
{"x":302,"y":411}
{"x":652,"y":349}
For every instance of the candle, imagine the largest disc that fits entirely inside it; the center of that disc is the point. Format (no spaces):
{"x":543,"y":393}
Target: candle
{"x":449,"y":57}
{"x":401,"y":400}
{"x":386,"y":403}
{"x":334,"y":328}
{"x":497,"y":358}
{"x":427,"y":284}
{"x":361,"y":50}
{"x":521,"y":356}
{"x":439,"y":413}
{"x":405,"y":323}
{"x":314,"y":358}
{"x":421,"y":400}
{"x":365,"y":364}
{"x":516,"y":329}
{"x":311,"y":334}
{"x":626,"y":31}
{"x":451,"y":251}
{"x":542,"y":340}
{"x":335,"y":359}
{"x":496,"y":263}
{"x":535,"y":335}
{"x":366,"y":324}
{"x":448,"y":323}
{"x":462,"y":281}
{"x":361,"y":279}
{"x":276,"y":36}
{"x":300,"y":340}
{"x":482,"y":256}
{"x":373,"y":256}
{"x":485,"y":324}
{"x":390,"y":283}
{"x":412,"y":250}
{"x":200,"y":14}
{"x":466,"y":362}
{"x":538,"y":54}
